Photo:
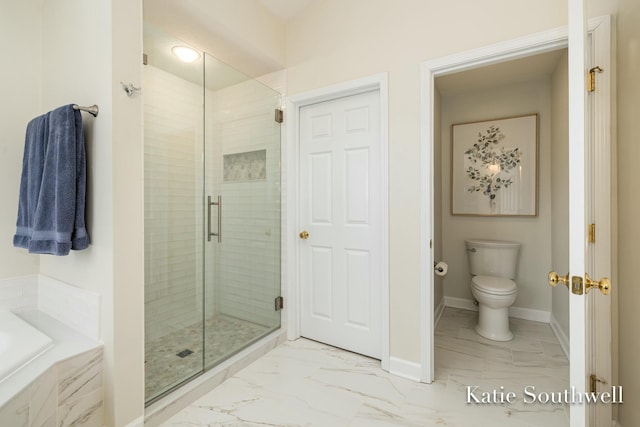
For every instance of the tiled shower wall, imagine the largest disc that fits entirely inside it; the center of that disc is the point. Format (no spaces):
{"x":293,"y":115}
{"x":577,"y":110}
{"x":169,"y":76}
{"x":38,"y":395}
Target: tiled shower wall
{"x":240,"y":119}
{"x":173,"y":202}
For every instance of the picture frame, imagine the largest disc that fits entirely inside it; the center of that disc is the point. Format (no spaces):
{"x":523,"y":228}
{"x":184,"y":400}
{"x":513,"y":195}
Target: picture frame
{"x":494,"y":167}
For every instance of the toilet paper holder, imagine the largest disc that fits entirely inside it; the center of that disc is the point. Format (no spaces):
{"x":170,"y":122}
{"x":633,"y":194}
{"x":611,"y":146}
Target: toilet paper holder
{"x":440,"y":268}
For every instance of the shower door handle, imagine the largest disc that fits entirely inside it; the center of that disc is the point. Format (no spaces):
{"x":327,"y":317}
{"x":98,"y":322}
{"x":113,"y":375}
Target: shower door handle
{"x":219,"y":205}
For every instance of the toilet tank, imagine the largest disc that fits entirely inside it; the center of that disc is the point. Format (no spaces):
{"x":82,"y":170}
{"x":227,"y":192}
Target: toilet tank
{"x":492,"y":257}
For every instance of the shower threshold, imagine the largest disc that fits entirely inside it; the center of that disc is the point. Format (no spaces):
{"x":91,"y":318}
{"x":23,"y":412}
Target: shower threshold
{"x":200,"y":384}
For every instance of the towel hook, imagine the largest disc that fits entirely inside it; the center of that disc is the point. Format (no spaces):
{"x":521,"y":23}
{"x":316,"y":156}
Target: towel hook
{"x":129,"y":88}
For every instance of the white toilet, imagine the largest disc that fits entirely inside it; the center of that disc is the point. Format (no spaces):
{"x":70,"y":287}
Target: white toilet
{"x":493,"y":266}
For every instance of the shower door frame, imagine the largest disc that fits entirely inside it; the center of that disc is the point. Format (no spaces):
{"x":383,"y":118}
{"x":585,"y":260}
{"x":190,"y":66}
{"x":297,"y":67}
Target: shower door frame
{"x":291,"y":286}
{"x":230,"y":362}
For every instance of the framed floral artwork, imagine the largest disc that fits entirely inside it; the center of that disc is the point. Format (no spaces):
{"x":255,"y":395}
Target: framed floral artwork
{"x":494,"y":167}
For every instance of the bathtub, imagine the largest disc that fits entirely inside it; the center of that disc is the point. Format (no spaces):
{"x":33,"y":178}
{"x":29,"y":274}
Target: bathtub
{"x":20,"y":343}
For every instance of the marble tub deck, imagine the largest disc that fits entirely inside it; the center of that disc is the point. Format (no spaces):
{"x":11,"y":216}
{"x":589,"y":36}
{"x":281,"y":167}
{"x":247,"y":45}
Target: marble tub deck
{"x":305,"y":383}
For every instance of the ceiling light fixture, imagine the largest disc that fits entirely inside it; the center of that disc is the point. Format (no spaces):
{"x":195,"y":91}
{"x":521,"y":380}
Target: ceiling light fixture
{"x":185,"y":54}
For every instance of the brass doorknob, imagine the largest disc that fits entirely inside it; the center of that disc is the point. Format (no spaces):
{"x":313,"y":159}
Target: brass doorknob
{"x":554,"y":279}
{"x":304,"y":235}
{"x":604,"y":284}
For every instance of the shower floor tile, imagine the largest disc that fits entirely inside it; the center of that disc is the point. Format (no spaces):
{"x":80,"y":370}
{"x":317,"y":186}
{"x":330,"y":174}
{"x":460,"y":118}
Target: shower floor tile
{"x":164,"y":366}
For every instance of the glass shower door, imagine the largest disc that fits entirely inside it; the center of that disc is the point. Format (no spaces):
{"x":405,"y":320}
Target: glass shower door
{"x":173,"y":146}
{"x":212,"y":265}
{"x":242,"y":206}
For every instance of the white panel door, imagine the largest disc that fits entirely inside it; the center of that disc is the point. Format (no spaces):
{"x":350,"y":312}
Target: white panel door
{"x":340,"y":209}
{"x":589,"y":200}
{"x":577,"y":218}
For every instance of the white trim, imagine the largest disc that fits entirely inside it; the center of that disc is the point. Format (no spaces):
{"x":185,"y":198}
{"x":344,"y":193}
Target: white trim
{"x":294,"y":103}
{"x":427,"y":325}
{"x":499,"y":52}
{"x":515,"y":312}
{"x":138,"y":422}
{"x":462,"y":303}
{"x":530,"y":314}
{"x":560,"y":335}
{"x":602,"y":199}
{"x":509,"y":50}
{"x":521,"y":47}
{"x":438,"y":312}
{"x":405,"y":368}
{"x":291,"y":152}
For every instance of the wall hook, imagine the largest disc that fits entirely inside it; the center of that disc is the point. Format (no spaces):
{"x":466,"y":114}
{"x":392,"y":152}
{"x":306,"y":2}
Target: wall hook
{"x":130,"y":89}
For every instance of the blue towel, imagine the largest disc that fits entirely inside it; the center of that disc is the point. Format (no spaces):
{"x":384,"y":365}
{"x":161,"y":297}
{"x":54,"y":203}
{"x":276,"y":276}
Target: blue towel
{"x":53,"y":185}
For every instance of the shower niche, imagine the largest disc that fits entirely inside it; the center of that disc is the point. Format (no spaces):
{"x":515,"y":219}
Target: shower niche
{"x":212,"y":212}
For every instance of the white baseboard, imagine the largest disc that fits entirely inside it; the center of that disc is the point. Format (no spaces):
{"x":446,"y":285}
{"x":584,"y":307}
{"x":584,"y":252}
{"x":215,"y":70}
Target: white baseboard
{"x":138,"y":422}
{"x":560,"y":334}
{"x":517,"y":312}
{"x":530,"y":314}
{"x":465,"y":304}
{"x":438,"y":312}
{"x":405,"y":369}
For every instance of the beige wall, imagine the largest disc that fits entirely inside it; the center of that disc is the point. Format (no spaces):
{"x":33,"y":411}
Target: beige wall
{"x":334,"y":41}
{"x":559,"y":195}
{"x":532,"y":233}
{"x":20,"y":87}
{"x":77,"y":70}
{"x":77,"y":52}
{"x":127,"y":393}
{"x":628,"y":50}
{"x":88,"y":70}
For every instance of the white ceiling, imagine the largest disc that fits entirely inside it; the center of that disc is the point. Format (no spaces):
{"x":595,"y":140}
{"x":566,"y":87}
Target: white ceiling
{"x":286,"y":10}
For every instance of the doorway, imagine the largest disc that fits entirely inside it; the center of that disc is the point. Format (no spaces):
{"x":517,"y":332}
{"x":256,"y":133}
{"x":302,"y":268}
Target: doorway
{"x":535,"y":357}
{"x":340,"y":209}
{"x":535,"y":44}
{"x":356,"y":167}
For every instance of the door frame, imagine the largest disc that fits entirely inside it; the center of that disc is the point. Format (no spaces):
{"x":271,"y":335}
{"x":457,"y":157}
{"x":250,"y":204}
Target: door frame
{"x":521,"y":47}
{"x":291,"y":189}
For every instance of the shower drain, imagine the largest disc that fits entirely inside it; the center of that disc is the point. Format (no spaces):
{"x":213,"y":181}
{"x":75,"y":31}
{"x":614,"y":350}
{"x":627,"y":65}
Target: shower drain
{"x":184,"y":353}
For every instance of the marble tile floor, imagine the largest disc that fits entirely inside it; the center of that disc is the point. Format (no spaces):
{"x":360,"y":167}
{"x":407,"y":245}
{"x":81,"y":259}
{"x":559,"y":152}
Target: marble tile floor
{"x":225,"y":335}
{"x":306,"y":383}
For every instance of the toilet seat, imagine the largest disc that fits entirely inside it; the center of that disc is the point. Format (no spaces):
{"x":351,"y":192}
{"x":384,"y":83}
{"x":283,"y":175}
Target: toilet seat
{"x":494,"y":285}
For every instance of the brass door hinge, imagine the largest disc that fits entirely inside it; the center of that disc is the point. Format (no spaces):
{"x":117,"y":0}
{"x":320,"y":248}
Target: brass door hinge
{"x":591,"y":78}
{"x":592,"y":233}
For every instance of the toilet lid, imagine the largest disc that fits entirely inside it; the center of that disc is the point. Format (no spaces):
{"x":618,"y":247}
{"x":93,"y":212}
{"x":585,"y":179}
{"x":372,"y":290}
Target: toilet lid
{"x":494,"y":285}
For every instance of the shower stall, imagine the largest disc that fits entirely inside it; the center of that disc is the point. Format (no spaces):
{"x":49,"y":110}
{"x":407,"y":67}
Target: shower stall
{"x":212,"y":213}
